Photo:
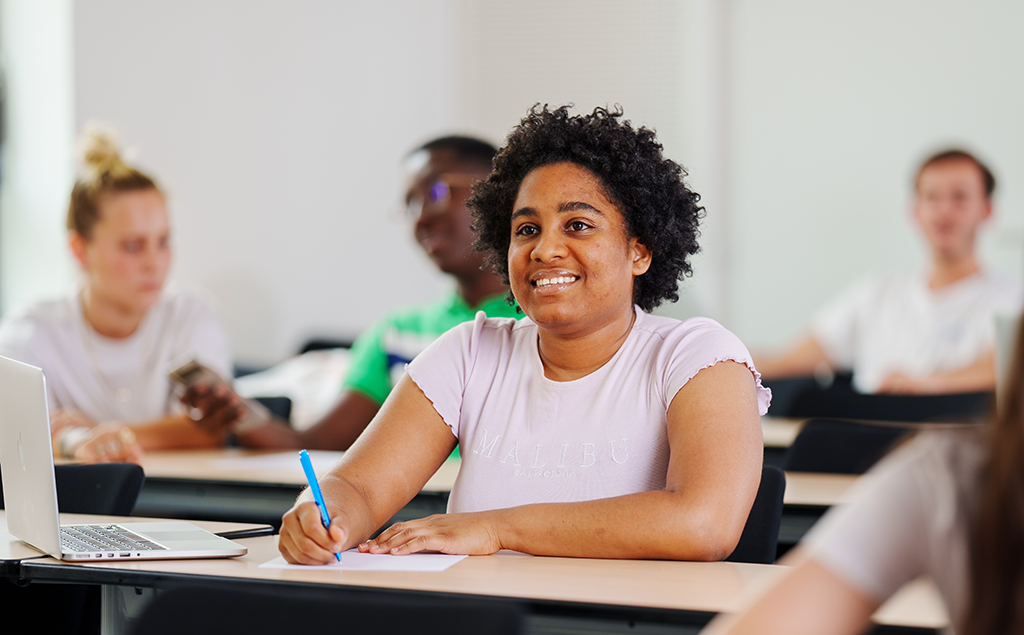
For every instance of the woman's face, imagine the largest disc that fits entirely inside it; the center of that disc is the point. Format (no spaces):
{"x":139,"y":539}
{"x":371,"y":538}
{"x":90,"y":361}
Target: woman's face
{"x":125,"y":261}
{"x":571,"y":263}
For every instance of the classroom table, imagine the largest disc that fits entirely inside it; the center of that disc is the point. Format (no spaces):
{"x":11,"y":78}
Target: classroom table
{"x":558,"y":594}
{"x":240,"y":485}
{"x":234,"y":485}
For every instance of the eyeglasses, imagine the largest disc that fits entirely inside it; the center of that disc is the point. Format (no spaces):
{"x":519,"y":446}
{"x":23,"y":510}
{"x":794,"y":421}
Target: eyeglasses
{"x":436,"y":195}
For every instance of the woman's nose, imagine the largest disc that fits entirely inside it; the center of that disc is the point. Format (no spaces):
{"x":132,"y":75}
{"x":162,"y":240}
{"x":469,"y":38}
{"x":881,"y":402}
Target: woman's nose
{"x":549,"y":246}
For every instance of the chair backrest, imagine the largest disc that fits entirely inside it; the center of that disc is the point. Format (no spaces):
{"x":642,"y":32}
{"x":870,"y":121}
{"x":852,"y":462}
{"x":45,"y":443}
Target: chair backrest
{"x":801,"y":398}
{"x":280,"y":407}
{"x":219,"y":610}
{"x":324,"y":343}
{"x":102,"y":488}
{"x":109,"y":489}
{"x":760,"y":539}
{"x":840,"y":447}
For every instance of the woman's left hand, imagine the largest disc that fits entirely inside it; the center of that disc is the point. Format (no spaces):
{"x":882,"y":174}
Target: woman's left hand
{"x":474,"y":534}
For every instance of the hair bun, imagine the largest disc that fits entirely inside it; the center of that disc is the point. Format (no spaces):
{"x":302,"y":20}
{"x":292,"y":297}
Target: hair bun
{"x":99,"y":152}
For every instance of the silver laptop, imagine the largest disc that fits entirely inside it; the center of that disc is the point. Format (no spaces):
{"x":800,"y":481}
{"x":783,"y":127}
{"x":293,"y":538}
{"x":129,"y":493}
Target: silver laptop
{"x":30,"y":492}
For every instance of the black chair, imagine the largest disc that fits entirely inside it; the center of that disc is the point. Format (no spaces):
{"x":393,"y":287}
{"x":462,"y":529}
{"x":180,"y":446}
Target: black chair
{"x":109,"y":489}
{"x":840,"y":447}
{"x":324,"y":343}
{"x":219,"y":610}
{"x":760,"y":538}
{"x":278,"y":406}
{"x":804,"y":397}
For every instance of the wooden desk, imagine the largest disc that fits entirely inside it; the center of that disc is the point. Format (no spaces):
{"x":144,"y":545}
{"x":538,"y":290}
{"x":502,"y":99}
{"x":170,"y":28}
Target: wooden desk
{"x":233,"y":485}
{"x":218,"y":485}
{"x":559,"y":593}
{"x":780,"y":432}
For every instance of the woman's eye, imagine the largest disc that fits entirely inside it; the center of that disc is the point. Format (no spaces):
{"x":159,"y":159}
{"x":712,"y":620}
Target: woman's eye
{"x":578,"y":226}
{"x":133,"y":246}
{"x":526,"y":230}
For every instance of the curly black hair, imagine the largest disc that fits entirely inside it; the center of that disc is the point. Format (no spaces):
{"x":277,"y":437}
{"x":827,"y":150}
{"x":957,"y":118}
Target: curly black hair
{"x":659,"y":210}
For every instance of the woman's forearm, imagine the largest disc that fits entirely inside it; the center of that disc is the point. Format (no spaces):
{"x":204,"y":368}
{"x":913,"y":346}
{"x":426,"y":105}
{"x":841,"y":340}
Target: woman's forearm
{"x":659,"y":524}
{"x":175,"y":432}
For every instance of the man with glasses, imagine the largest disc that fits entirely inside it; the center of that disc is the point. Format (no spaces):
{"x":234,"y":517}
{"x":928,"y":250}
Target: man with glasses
{"x":441,"y":173}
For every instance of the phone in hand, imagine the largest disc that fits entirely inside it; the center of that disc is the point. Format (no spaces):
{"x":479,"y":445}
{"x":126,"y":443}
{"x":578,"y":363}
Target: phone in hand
{"x":252,"y":414}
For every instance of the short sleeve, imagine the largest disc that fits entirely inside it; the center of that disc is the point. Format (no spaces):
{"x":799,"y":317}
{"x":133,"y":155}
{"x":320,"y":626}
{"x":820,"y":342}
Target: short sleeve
{"x":17,"y":334}
{"x":368,"y":373}
{"x":834,"y":326}
{"x":878,"y":541}
{"x":702,"y":343}
{"x":442,"y":370}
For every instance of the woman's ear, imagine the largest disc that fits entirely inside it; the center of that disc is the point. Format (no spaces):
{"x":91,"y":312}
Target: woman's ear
{"x":641,"y":257}
{"x":78,"y":246}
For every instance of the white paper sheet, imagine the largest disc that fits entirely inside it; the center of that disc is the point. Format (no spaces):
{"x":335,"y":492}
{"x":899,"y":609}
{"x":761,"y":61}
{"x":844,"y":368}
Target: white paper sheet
{"x":354,"y":561}
{"x":284,"y":461}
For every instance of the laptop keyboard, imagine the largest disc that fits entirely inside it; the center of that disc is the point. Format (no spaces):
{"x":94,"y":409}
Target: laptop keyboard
{"x":90,"y":538}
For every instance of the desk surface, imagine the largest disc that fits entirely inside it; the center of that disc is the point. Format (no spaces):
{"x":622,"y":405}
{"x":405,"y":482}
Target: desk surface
{"x":779,"y":432}
{"x":243,"y":466}
{"x":802,"y":488}
{"x":651,"y":585}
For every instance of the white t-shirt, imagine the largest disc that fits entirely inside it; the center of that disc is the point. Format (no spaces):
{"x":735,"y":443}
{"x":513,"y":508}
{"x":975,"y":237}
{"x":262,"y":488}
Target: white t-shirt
{"x":908,"y":516}
{"x":94,"y":374}
{"x":526,"y":439}
{"x":898,"y":324}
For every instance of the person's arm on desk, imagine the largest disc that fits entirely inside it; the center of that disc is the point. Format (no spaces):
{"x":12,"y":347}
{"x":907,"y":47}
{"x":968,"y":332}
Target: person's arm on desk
{"x":336,"y":430}
{"x":978,"y":377}
{"x":714,"y":470}
{"x":806,"y":357}
{"x":76,"y":437}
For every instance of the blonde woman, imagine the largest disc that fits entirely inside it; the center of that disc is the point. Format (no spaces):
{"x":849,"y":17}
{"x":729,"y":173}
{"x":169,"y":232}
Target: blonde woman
{"x":106,"y":348}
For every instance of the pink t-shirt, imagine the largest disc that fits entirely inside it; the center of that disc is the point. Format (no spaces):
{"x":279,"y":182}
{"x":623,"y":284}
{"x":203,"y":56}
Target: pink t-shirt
{"x":527,"y":439}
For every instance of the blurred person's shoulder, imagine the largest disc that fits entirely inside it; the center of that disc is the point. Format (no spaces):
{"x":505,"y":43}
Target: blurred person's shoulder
{"x":39,"y":316}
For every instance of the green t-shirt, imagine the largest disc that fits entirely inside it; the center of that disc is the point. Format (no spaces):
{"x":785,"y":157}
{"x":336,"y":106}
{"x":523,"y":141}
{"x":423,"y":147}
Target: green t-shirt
{"x":379,"y":356}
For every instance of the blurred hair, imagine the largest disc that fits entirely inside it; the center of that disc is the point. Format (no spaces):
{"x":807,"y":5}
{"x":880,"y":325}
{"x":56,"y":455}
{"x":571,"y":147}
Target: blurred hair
{"x":657,"y":207}
{"x":103,"y":172}
{"x":955,"y":154}
{"x":469,"y":149}
{"x":997,"y":534}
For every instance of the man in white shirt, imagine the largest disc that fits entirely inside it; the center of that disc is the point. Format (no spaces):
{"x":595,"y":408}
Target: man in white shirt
{"x":929,"y":332}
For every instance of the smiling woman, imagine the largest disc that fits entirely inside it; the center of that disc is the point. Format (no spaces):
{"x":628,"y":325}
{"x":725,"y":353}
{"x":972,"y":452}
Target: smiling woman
{"x":106,"y":348}
{"x":589,"y":428}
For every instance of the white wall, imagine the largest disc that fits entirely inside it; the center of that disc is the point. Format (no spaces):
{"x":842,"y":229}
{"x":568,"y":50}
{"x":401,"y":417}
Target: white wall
{"x":37,"y":169}
{"x":277,"y":130}
{"x":833,"y":106}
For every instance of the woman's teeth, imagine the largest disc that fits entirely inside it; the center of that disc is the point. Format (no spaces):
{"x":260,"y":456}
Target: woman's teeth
{"x":543,"y":282}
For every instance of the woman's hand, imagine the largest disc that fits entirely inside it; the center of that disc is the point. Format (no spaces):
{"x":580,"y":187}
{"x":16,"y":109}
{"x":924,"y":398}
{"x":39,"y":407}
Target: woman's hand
{"x":110,"y":443}
{"x":304,"y":539}
{"x":474,"y":534}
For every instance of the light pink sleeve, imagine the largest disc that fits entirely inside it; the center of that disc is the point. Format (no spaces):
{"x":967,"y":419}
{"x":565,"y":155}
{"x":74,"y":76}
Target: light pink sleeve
{"x":702,"y":343}
{"x":441,"y":371}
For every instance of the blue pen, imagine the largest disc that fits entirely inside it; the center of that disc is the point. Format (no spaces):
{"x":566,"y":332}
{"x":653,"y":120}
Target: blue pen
{"x":314,"y":486}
